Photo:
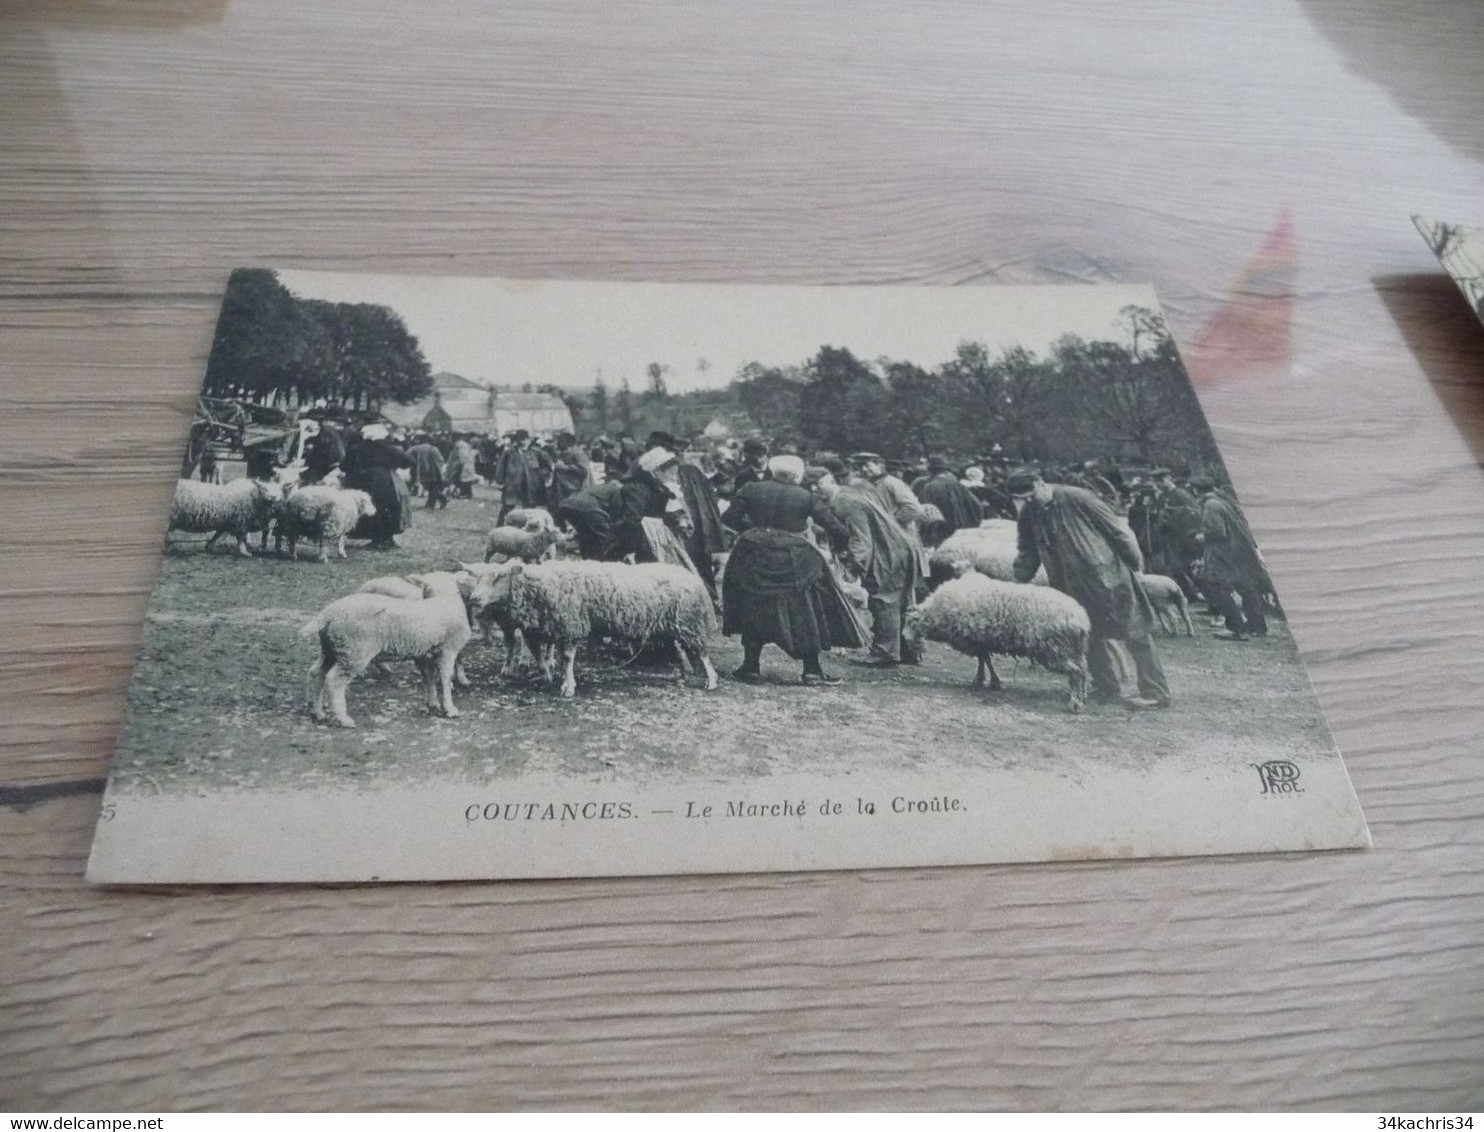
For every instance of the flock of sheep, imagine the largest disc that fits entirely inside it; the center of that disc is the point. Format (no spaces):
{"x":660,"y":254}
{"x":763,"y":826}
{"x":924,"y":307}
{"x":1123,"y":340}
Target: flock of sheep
{"x":552,"y":605}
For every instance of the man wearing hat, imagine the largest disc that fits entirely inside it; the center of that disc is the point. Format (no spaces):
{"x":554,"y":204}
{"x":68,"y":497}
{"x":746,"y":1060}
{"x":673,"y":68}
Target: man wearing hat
{"x":878,"y":551}
{"x":754,"y":463}
{"x":1233,"y":563}
{"x":1092,"y":556}
{"x":570,"y":471}
{"x":522,"y":473}
{"x":953,"y":500}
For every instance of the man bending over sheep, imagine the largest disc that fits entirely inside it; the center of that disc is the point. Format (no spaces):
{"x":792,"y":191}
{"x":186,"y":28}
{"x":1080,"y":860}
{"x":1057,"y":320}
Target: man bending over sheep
{"x":1091,"y":556}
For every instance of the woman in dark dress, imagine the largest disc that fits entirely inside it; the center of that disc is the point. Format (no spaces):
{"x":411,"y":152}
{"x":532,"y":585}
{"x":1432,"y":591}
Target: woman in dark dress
{"x":777,"y":588}
{"x":371,"y":466}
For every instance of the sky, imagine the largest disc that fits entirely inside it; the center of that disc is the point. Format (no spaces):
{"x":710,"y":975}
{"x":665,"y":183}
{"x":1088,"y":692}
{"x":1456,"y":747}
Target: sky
{"x":512,"y":332}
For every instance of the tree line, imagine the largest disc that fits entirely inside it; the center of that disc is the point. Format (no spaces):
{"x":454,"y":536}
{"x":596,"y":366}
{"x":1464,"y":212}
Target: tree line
{"x":1118,"y":399}
{"x":273,"y":347}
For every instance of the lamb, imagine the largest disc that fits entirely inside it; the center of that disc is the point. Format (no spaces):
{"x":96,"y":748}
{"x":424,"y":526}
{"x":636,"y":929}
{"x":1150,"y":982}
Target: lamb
{"x":980,"y":616}
{"x":988,"y":549}
{"x":1170,"y":604}
{"x":235,"y":508}
{"x":326,"y":514}
{"x":356,"y":629}
{"x":390,"y":585}
{"x":529,"y":519}
{"x":527,"y":545}
{"x":558,"y":605}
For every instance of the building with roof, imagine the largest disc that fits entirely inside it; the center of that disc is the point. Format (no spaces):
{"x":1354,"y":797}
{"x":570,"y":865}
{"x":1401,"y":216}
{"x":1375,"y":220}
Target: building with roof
{"x":461,"y":405}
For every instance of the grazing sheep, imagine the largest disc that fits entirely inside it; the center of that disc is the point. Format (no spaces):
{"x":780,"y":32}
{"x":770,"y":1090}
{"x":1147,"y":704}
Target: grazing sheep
{"x":529,"y":519}
{"x":1170,"y":604}
{"x":356,"y":629}
{"x":235,"y":508}
{"x":988,"y":549}
{"x":527,"y":545}
{"x":325,"y":514}
{"x":979,"y":616}
{"x":558,"y":605}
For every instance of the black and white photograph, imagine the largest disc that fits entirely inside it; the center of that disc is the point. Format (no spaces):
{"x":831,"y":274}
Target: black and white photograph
{"x":495,"y":578}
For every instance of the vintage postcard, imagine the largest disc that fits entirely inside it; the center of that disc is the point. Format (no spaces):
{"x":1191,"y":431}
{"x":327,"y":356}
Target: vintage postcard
{"x":489,"y":578}
{"x":1461,"y":252}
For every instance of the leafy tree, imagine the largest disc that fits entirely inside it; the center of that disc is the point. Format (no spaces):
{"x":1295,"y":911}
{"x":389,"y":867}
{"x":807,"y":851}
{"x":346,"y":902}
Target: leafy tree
{"x":597,"y":401}
{"x":771,"y":398}
{"x":841,"y":404}
{"x":625,"y":405}
{"x":656,"y":374}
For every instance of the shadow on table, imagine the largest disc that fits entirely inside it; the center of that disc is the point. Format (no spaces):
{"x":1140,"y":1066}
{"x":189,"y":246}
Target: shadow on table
{"x":1425,"y":56}
{"x":1448,"y":342}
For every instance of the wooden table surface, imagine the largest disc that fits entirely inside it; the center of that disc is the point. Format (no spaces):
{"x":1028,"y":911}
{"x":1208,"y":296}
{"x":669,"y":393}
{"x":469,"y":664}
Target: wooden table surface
{"x":146,"y":148}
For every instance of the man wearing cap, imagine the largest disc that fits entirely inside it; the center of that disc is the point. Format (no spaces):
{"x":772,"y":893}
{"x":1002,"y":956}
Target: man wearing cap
{"x":1233,"y":563}
{"x":897,"y":498}
{"x":1091,"y":555}
{"x":878,"y":551}
{"x":1177,"y":527}
{"x":522,"y":473}
{"x":953,"y":500}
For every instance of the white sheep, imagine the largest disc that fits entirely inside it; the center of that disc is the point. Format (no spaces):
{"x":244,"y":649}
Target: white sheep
{"x":323,"y":513}
{"x":558,"y":605}
{"x":235,"y":508}
{"x":356,"y":629}
{"x":989,"y":549}
{"x":1170,"y":604}
{"x":982,"y":617}
{"x":529,"y":519}
{"x":390,"y":585}
{"x":527,"y":545}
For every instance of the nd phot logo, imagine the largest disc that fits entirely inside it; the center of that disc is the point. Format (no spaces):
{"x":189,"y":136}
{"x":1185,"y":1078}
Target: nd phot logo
{"x":1279,"y":776}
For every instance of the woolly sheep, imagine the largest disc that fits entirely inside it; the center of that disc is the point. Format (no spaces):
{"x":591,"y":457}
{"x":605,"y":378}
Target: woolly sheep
{"x":235,"y":508}
{"x":529,"y":519}
{"x":558,"y":605}
{"x":990,"y":550}
{"x":981,"y":617}
{"x":390,"y":585}
{"x":1170,"y":604}
{"x":356,"y":629}
{"x":526,"y":545}
{"x":326,"y":514}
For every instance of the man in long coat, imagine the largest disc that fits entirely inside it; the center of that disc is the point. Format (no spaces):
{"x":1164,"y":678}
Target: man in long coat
{"x":1233,"y":563}
{"x":898,"y":500}
{"x":878,"y":550}
{"x":1177,"y":530}
{"x":427,"y":472}
{"x":956,"y":502}
{"x":570,"y":473}
{"x":1091,"y":555}
{"x":521,"y":472}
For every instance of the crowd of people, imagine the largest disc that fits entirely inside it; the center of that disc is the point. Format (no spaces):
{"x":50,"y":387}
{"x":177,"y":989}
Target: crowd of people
{"x":808,"y":543}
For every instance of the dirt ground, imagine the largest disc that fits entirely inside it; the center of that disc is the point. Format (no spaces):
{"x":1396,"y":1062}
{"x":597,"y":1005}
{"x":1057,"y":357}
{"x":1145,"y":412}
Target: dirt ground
{"x":217,"y":698}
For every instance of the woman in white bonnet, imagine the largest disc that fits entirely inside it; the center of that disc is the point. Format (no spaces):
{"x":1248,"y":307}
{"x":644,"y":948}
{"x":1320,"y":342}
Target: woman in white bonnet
{"x":777,"y":588}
